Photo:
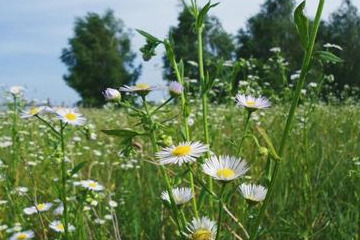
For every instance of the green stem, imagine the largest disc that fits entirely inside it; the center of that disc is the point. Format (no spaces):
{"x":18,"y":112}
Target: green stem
{"x":63,"y":179}
{"x":13,"y":164}
{"x":162,"y":105}
{"x":304,"y":70}
{"x":162,"y":169}
{"x":220,"y":211}
{"x":246,"y":126}
{"x":49,"y":125}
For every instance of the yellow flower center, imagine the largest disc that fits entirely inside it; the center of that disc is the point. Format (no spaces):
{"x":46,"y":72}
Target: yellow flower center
{"x":142,"y":86}
{"x":250,"y":103}
{"x":202,"y":234}
{"x":40,"y":206}
{"x":34,"y":111}
{"x":181,"y":150}
{"x":225,"y":173}
{"x":93,"y":184}
{"x":22,"y":236}
{"x":71,"y":116}
{"x":60,"y":227}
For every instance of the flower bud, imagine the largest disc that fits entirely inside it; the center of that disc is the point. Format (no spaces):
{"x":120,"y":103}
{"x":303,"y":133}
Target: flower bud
{"x":263,"y":151}
{"x":112,"y":95}
{"x":175,"y":89}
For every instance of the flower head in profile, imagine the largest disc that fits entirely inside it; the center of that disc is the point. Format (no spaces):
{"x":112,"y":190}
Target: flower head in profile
{"x":253,"y":193}
{"x":180,"y":195}
{"x":70,"y":116}
{"x":202,"y":229}
{"x":57,"y":226}
{"x":175,"y":89}
{"x":23,"y":235}
{"x":92,"y":185}
{"x":185,"y":152}
{"x":16,"y":90}
{"x":112,"y":95}
{"x":252,"y":103}
{"x":41,"y":207}
{"x":32,"y":111}
{"x":141,"y":88}
{"x":224,"y":168}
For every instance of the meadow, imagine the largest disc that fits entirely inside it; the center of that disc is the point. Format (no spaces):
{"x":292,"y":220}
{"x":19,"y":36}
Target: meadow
{"x":316,"y":198}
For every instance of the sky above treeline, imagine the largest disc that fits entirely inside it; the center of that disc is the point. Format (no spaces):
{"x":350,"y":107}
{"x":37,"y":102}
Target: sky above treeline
{"x":33,"y":34}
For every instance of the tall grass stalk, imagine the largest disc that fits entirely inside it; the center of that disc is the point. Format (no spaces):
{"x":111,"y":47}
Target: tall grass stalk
{"x":304,"y":70}
{"x":64,"y":179}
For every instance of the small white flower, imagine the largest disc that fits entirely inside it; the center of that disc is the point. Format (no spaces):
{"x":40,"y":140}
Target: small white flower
{"x":30,"y":112}
{"x":112,"y":95}
{"x":252,"y":192}
{"x":252,"y":103}
{"x":59,"y":210}
{"x":23,"y":235}
{"x":329,"y":45}
{"x":91,"y":185}
{"x":140,"y":88}
{"x":275,"y":49}
{"x":225,"y":168}
{"x":202,"y":229}
{"x":313,"y":85}
{"x":70,"y":116}
{"x":185,"y":152}
{"x":113,"y":204}
{"x":180,"y":195}
{"x":41,"y":207}
{"x":16,"y":90}
{"x":57,"y":226}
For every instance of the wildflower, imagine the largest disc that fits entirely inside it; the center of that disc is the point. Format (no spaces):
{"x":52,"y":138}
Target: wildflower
{"x":175,"y":89}
{"x":70,"y":116}
{"x":313,"y":84}
{"x":275,"y":49}
{"x":202,"y":229}
{"x":57,"y":226}
{"x":141,"y":88}
{"x":113,"y":204}
{"x":92,"y":185}
{"x":41,"y":207}
{"x":112,"y":95}
{"x":180,"y":195}
{"x":59,"y":210}
{"x":329,"y":45}
{"x":253,"y":193}
{"x":16,"y":90}
{"x":23,"y":235}
{"x":185,"y":152}
{"x":251,"y":103}
{"x":30,"y":112}
{"x":225,"y":168}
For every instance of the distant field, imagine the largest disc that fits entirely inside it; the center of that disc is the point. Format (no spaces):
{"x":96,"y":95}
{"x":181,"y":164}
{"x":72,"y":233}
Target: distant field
{"x":317,"y":196}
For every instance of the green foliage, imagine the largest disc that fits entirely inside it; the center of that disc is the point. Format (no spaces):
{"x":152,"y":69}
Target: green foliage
{"x":99,"y":56}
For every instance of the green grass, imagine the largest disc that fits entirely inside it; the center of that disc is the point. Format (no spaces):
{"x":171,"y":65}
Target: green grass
{"x":316,"y":196}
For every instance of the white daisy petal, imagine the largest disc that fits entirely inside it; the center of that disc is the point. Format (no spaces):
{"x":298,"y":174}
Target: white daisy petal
{"x":202,"y":228}
{"x":252,"y":192}
{"x":252,"y":103}
{"x":224,"y":168}
{"x":180,"y":195}
{"x":23,"y":235}
{"x":70,"y":116}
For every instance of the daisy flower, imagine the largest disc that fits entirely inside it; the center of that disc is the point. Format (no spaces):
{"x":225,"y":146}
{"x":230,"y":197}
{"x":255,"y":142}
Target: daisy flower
{"x":30,"y":112}
{"x":141,"y":88}
{"x":253,"y":193}
{"x":70,"y":116}
{"x":41,"y":207}
{"x":185,"y":152}
{"x":202,"y":229}
{"x":23,"y":235}
{"x":224,"y":168}
{"x":180,"y":195}
{"x":57,"y":226}
{"x":92,"y":185}
{"x":112,"y":95}
{"x":175,"y":89}
{"x":252,"y":103}
{"x":16,"y":90}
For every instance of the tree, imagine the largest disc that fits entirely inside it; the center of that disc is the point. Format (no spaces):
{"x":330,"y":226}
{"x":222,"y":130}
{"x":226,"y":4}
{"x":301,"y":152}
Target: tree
{"x":99,"y":56}
{"x":217,"y":45}
{"x":271,"y":27}
{"x":343,"y":29}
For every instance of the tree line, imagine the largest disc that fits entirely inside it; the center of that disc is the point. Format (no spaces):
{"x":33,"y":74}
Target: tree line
{"x":100,"y":55}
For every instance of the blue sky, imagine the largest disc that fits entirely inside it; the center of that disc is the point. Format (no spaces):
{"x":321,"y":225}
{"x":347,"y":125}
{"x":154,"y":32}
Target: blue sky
{"x":33,"y":33}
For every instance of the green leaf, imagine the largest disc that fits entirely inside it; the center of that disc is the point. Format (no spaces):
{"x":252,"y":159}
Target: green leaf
{"x":202,"y":14}
{"x":302,"y":24}
{"x":77,"y":168}
{"x":125,"y":132}
{"x":148,"y":36}
{"x":268,"y":142}
{"x":329,"y":56}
